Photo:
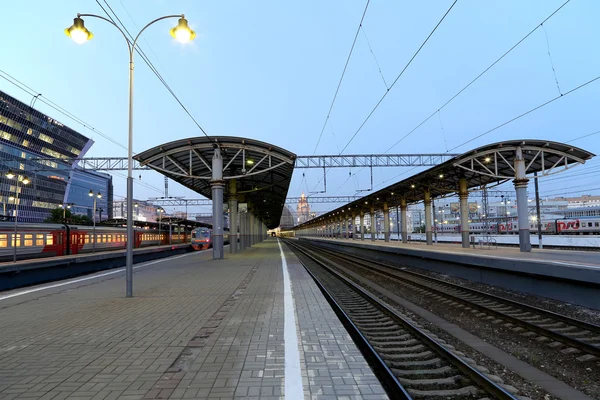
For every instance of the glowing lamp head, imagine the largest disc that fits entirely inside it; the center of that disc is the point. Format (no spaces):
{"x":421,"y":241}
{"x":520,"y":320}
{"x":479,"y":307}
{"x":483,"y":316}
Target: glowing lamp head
{"x":78,"y":32}
{"x":182,"y":32}
{"x":10,"y":174}
{"x":11,"y":198}
{"x":25,"y":180}
{"x":91,"y":193}
{"x":99,"y":195}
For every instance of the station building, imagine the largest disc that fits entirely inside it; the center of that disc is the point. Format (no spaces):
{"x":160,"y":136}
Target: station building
{"x":32,"y":145}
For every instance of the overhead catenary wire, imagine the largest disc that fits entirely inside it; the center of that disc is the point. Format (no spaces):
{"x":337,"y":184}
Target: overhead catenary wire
{"x":342,"y":77}
{"x":397,"y":78}
{"x":478,"y":76}
{"x":14,"y":81}
{"x":526,"y":113}
{"x":400,"y":75}
{"x":155,"y":71}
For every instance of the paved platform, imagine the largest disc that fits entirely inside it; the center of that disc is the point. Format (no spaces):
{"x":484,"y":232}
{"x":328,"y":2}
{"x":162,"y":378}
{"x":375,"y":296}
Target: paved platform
{"x":196,"y":328}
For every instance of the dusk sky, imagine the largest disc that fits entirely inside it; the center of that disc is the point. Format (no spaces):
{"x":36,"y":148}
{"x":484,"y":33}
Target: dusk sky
{"x":268,"y":70}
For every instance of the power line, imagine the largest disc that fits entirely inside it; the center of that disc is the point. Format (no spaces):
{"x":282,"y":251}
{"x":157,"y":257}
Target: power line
{"x":11,"y":79}
{"x":584,"y":136}
{"x":398,"y":77}
{"x":478,"y":76}
{"x":527,"y":112}
{"x":155,"y":71}
{"x":342,"y":77}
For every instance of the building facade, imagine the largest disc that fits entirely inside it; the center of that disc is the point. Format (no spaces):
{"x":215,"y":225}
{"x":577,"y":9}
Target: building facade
{"x":32,"y":145}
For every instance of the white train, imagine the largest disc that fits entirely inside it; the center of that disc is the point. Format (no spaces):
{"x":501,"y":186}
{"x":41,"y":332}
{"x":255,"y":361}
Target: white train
{"x":563,"y":226}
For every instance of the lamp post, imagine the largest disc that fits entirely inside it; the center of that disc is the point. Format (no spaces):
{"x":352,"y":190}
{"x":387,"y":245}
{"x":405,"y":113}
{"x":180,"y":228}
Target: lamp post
{"x":99,"y":196}
{"x":160,"y":210}
{"x":79,"y":33}
{"x":64,"y":207}
{"x":24,"y":180}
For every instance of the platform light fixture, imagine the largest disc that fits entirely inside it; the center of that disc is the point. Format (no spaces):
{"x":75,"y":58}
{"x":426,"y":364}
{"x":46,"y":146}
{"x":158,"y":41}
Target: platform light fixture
{"x":80,"y":34}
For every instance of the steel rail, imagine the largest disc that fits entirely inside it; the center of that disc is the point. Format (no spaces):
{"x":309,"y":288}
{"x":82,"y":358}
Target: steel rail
{"x":479,"y":378}
{"x":588,"y":348}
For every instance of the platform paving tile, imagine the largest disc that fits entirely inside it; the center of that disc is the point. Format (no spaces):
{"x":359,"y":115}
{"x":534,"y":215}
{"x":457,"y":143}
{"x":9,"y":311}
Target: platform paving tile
{"x":244,"y":357}
{"x":89,"y":341}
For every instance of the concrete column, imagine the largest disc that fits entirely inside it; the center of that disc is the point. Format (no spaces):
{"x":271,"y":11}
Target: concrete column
{"x":520,"y":183}
{"x":217,"y":185}
{"x":404,"y":226}
{"x":386,"y":222}
{"x":427,"y":202}
{"x":463,"y":196}
{"x":373,"y":225}
{"x":243,"y":236}
{"x":250,"y":229}
{"x":233,"y":216}
{"x":362,"y":225}
{"x":353,"y":223}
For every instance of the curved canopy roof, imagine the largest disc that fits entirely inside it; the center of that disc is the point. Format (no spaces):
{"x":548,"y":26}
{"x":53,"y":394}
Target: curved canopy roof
{"x":486,"y":165}
{"x":262,"y":171}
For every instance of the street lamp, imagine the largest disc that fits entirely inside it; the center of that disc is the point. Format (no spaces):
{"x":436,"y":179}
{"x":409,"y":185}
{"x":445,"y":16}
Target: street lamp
{"x":64,"y":207}
{"x":24,"y":181}
{"x":160,"y":211}
{"x":79,"y":33}
{"x":98,"y":196}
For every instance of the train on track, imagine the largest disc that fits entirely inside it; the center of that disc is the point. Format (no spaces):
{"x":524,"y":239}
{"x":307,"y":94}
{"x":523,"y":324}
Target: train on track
{"x":202,"y":238}
{"x":563,"y":226}
{"x":51,"y":240}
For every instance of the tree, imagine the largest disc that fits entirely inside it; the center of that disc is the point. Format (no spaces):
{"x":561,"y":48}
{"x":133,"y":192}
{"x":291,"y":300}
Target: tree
{"x":61,"y":216}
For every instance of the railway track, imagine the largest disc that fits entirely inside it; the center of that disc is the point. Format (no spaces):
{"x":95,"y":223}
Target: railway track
{"x":411,"y":362}
{"x":578,"y":336}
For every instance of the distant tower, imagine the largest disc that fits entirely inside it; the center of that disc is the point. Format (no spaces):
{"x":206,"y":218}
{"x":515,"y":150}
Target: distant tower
{"x":303,"y":209}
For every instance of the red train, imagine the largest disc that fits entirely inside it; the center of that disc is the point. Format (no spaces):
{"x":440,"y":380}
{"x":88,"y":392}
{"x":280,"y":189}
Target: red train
{"x":50,"y":240}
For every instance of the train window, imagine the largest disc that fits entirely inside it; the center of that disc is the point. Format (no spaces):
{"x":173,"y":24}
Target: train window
{"x":109,"y":238}
{"x":50,"y":239}
{"x":3,"y":240}
{"x":28,"y":240}
{"x":590,"y":224}
{"x":87,"y":238}
{"x":39,"y":239}
{"x":18,"y":238}
{"x":596,"y":224}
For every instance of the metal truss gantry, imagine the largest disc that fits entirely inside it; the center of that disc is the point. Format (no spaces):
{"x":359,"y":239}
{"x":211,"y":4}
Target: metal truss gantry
{"x":302,"y":162}
{"x":179,"y":201}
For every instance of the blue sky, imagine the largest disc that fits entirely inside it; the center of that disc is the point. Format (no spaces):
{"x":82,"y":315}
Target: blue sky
{"x":268,"y":70}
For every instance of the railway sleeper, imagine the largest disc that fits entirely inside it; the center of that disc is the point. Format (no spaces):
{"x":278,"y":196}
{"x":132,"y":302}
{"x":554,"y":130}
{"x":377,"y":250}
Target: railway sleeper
{"x":400,"y":350}
{"x":380,"y":325}
{"x":385,"y":336}
{"x":434,"y":362}
{"x":442,"y":371}
{"x":410,"y":356}
{"x":451,"y":381}
{"x":399,"y":343}
{"x":465,"y":392}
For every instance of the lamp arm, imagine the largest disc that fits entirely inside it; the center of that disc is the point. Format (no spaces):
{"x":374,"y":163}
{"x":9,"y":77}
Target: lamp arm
{"x":110,"y":22}
{"x":132,"y":48}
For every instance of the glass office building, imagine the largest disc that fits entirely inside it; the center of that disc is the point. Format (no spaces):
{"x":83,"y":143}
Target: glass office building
{"x":32,"y":145}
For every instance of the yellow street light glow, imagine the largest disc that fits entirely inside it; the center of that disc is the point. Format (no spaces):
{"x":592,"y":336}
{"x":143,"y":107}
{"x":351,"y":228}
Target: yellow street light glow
{"x":488,"y":159}
{"x":249,"y":162}
{"x":99,"y":195}
{"x":10,"y":174}
{"x":78,"y":32}
{"x":91,"y":193}
{"x":11,"y":198}
{"x":182,"y":31}
{"x":412,"y":186}
{"x":25,"y":180}
{"x":441,"y":176}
